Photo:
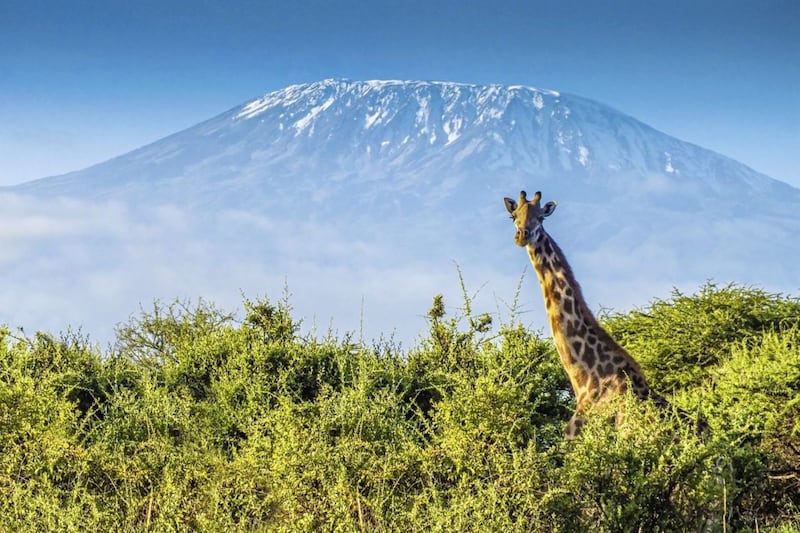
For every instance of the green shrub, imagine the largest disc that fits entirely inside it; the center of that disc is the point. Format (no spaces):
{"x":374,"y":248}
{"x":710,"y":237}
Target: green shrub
{"x":680,"y":339}
{"x":196,"y":421}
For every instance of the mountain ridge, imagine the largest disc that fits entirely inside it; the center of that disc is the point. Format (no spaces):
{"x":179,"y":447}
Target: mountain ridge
{"x":387,"y":126}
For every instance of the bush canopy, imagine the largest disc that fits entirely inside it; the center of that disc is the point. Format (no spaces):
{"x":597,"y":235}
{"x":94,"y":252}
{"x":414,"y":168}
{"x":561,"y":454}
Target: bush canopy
{"x":199,"y":420}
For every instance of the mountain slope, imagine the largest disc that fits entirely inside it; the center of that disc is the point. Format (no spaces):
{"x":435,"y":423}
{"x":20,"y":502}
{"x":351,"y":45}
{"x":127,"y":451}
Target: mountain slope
{"x":364,"y":193}
{"x":359,"y":132}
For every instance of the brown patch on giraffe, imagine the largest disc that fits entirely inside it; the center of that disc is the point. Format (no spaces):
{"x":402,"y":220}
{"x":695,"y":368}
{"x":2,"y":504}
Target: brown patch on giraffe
{"x":577,"y":345}
{"x":572,"y":331}
{"x":589,"y":358}
{"x":574,"y":427}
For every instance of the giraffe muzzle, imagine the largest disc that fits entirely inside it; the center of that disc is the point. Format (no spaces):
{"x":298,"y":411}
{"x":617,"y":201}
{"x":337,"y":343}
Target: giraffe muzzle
{"x":522,"y":236}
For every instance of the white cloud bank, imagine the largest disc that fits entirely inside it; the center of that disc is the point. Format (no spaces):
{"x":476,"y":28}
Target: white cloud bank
{"x":70,"y":263}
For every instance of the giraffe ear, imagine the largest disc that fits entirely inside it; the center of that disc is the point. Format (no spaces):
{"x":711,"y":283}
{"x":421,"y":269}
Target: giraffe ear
{"x":549,"y":207}
{"x":511,"y":205}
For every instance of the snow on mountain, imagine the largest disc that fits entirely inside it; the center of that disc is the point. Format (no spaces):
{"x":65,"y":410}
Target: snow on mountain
{"x":365,"y":193}
{"x":360,"y":132}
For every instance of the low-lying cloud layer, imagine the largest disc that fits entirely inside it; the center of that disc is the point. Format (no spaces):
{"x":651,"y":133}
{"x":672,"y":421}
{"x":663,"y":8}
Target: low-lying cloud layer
{"x":92,"y":264}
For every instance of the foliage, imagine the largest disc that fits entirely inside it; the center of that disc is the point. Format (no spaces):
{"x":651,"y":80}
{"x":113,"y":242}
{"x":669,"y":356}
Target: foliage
{"x":196,"y":421}
{"x":680,"y":339}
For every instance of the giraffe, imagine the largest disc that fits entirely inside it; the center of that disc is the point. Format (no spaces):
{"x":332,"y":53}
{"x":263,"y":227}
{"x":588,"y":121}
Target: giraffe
{"x":599,"y":369}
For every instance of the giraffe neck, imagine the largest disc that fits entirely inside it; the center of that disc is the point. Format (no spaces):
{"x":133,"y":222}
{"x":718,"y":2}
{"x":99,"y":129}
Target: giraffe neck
{"x":589,"y":355}
{"x":567,"y":310}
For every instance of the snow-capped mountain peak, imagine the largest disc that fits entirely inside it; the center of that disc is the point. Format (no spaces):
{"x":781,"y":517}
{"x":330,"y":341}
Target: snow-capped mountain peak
{"x":391,"y":127}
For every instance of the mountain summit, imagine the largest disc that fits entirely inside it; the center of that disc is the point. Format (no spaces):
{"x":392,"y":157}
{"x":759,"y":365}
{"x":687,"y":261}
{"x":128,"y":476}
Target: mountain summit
{"x":361,"y":195}
{"x":414,"y":137}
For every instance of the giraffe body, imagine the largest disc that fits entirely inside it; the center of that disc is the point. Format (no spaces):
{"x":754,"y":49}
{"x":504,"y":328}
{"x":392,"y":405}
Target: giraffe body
{"x":599,"y":369}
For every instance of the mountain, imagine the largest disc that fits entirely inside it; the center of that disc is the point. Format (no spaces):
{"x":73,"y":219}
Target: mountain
{"x":363,"y":194}
{"x":356,"y":133}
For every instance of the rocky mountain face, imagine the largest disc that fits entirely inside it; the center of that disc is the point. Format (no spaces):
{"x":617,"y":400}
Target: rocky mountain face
{"x":360,"y":196}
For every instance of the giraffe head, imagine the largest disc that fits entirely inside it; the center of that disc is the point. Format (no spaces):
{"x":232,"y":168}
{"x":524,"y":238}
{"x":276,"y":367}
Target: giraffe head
{"x":528,"y":216}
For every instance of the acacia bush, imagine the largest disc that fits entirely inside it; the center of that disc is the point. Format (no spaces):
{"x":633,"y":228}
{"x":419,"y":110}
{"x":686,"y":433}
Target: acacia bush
{"x":678,"y":340}
{"x":195,"y":420}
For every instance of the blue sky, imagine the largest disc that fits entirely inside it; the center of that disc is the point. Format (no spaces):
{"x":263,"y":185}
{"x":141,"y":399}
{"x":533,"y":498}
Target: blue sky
{"x":82,"y":81}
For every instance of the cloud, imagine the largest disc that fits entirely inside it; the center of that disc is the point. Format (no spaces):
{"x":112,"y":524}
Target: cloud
{"x":27,"y":218}
{"x":93,"y":264}
{"x":72,"y":263}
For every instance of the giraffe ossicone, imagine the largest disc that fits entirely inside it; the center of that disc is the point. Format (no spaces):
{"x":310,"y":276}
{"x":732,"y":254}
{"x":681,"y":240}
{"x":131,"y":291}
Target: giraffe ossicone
{"x":599,"y":369}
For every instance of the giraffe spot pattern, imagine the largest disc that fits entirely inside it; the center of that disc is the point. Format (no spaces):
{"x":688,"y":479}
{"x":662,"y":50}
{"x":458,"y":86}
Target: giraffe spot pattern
{"x":578,"y":347}
{"x":589,"y":358}
{"x":572,"y":331}
{"x":597,"y":367}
